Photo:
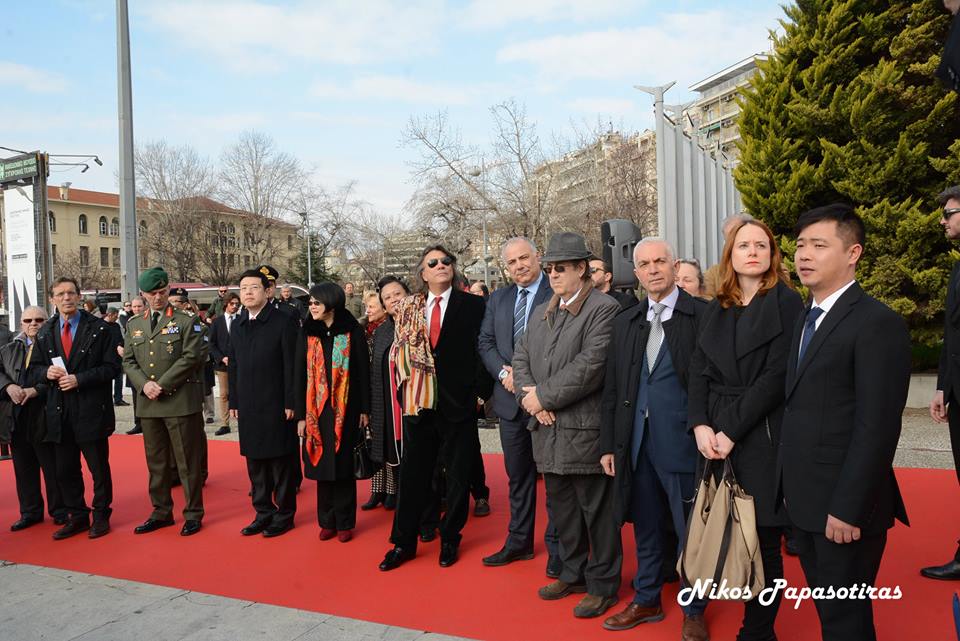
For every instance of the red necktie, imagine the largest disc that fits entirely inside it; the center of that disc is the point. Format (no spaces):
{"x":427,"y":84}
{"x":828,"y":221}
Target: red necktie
{"x":67,"y":340}
{"x":435,"y":323}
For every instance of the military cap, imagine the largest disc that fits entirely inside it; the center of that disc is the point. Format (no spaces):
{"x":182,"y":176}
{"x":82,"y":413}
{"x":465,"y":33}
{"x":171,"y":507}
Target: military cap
{"x":268,"y":271}
{"x":179,"y":291}
{"x":153,"y":279}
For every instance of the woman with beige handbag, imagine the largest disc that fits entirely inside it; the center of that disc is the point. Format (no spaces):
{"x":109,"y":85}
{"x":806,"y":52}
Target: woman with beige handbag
{"x":735,"y":409}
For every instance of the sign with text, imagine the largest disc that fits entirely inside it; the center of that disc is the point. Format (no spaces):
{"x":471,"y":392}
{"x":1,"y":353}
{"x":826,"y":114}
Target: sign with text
{"x":21,"y":249}
{"x":19,"y":167}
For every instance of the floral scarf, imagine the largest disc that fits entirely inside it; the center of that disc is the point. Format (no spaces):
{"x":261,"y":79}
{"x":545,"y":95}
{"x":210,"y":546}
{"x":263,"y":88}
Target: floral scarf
{"x":318,"y":391}
{"x":411,"y":357}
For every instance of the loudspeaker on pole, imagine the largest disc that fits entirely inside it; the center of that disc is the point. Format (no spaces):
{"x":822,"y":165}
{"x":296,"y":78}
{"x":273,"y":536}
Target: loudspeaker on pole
{"x":619,"y":237}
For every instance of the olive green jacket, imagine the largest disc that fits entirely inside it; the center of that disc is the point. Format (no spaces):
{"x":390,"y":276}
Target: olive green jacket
{"x":173,"y":355}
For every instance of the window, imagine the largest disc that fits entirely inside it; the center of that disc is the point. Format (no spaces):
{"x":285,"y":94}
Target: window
{"x":141,"y":230}
{"x":82,"y":223}
{"x":116,"y":258}
{"x":289,"y":241}
{"x":144,"y":259}
{"x":246,"y":262}
{"x":53,"y":252}
{"x":53,"y":222}
{"x":84,"y":256}
{"x":103,"y":225}
{"x":115,"y":227}
{"x":104,"y":256}
{"x":231,"y":229}
{"x":230,"y":260}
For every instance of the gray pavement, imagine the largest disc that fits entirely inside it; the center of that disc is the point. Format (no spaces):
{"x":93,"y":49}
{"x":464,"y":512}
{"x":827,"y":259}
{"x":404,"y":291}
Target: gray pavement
{"x":106,"y":609}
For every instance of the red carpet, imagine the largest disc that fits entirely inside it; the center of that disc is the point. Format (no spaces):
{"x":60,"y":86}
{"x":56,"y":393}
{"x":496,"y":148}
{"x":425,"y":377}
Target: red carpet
{"x":299,"y":571}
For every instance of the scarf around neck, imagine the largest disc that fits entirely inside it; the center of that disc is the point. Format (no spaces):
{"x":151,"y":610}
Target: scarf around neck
{"x":319,"y":391}
{"x":412,"y":360}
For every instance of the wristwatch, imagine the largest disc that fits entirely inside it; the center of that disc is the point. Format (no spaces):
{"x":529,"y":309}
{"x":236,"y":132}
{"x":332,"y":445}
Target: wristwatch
{"x":502,"y":375}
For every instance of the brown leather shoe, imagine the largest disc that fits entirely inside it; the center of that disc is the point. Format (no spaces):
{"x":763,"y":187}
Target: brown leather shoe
{"x":632,"y":616}
{"x":592,"y":606}
{"x":558,"y":589}
{"x":694,"y":629}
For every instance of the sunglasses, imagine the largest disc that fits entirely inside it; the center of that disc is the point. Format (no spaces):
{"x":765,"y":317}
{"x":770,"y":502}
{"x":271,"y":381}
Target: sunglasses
{"x":950,"y":212}
{"x":31,"y":320}
{"x":446,"y":260}
{"x":314,"y":303}
{"x":593,"y":270}
{"x":559,"y":268}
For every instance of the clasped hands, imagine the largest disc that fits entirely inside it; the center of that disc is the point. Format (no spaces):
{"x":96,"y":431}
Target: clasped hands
{"x":712,"y":445}
{"x":19,"y":395}
{"x":65,"y":381}
{"x":531,"y":403}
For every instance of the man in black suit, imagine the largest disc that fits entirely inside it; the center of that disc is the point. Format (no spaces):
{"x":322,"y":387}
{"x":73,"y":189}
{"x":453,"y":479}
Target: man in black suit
{"x":76,"y":354}
{"x":846,"y":387}
{"x":504,"y":322}
{"x":219,"y":351}
{"x":446,"y":426}
{"x":601,"y":273}
{"x":944,"y":407}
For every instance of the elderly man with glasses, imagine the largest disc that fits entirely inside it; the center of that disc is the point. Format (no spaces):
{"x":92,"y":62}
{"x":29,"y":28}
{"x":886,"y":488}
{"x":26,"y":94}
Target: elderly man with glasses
{"x":21,"y":407}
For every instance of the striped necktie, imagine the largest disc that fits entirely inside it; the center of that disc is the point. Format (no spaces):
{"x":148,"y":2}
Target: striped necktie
{"x":520,"y":315}
{"x":655,"y":339}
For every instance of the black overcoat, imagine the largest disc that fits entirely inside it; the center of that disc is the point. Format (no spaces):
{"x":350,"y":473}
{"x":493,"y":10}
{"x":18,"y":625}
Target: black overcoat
{"x":262,"y":383}
{"x":737,"y":385}
{"x":381,"y":387}
{"x":336,"y":464}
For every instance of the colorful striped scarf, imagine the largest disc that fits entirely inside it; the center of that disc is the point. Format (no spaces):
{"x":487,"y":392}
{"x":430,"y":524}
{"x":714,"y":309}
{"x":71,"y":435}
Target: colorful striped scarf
{"x":412,"y":360}
{"x":318,"y":391}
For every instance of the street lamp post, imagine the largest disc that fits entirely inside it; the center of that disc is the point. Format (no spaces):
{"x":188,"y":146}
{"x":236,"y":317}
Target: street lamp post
{"x":482,"y":173}
{"x":306,"y":226}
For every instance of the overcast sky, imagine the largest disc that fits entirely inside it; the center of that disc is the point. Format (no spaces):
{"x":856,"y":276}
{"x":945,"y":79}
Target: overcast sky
{"x":335,"y":82}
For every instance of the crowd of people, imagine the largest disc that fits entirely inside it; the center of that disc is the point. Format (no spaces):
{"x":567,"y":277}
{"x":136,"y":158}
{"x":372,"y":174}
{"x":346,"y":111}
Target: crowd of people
{"x":616,"y":401}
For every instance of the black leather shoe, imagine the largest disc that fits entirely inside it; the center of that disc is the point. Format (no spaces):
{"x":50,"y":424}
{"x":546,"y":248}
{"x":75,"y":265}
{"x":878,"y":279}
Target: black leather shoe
{"x":376,"y":498}
{"x":277,"y":530}
{"x":60,"y":520}
{"x":390,"y":502}
{"x":120,"y":403}
{"x":23,"y":524}
{"x":428,"y":535}
{"x":946,"y":572}
{"x":136,"y":430}
{"x":448,"y":554}
{"x":99,"y":529}
{"x":505,"y":557}
{"x":190,"y":527}
{"x":554,"y":567}
{"x":71,"y":529}
{"x":395,"y":558}
{"x":254,"y":528}
{"x":152,"y":524}
{"x":481,"y":508}
{"x":209,"y":420}
{"x":223,"y":430}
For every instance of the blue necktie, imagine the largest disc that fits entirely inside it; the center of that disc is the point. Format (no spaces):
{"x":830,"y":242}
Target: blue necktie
{"x":520,"y":315}
{"x":809,"y":327}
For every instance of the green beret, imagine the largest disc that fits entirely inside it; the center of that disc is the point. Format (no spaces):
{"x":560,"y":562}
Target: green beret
{"x":179,"y":291}
{"x":153,"y":279}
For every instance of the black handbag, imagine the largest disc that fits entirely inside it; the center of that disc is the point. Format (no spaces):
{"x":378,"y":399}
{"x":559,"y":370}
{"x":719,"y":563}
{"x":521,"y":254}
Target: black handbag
{"x":363,"y":465}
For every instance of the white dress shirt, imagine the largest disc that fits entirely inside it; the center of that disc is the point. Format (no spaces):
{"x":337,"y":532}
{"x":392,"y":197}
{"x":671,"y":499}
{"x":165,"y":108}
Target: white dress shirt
{"x":444,"y":300}
{"x":670,"y":301}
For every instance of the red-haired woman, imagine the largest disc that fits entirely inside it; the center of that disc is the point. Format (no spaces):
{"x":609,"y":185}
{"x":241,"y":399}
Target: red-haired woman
{"x":736,"y":388}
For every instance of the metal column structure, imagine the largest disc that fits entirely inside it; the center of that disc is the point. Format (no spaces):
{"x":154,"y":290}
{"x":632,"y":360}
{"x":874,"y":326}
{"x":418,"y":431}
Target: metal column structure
{"x":128,"y":198}
{"x":695,"y":190}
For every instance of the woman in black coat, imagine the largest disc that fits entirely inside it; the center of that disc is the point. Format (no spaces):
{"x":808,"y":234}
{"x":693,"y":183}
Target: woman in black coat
{"x":736,"y":388}
{"x":385,"y":446}
{"x":335,"y":378}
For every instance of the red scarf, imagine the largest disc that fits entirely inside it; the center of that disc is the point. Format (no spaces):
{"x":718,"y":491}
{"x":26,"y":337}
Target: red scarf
{"x":318,"y":391}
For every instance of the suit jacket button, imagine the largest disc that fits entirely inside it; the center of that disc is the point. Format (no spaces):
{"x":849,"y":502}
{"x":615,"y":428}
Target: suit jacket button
{"x":626,"y":403}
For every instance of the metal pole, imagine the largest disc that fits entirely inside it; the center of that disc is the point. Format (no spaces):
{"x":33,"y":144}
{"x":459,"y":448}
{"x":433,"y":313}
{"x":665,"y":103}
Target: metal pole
{"x":306,"y":224}
{"x":657,"y":93}
{"x":486,"y":253}
{"x":128,"y":196}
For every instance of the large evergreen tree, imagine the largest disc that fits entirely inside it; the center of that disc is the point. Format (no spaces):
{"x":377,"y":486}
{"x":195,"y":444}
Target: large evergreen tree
{"x":847,"y":108}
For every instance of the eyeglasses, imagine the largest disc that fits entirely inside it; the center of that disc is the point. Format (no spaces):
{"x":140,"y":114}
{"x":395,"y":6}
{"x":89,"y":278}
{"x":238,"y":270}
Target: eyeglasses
{"x":31,"y":320}
{"x":446,"y":260}
{"x":950,"y":212}
{"x":594,"y":270}
{"x":560,"y":268}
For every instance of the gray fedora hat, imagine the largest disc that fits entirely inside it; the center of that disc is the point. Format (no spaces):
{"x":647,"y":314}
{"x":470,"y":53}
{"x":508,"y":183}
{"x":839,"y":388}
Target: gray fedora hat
{"x":566,"y":246}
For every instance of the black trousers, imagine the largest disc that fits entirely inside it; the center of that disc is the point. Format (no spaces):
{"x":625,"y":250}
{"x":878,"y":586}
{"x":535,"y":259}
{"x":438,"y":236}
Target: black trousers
{"x":118,"y":388}
{"x":337,"y":504}
{"x":274,"y":478}
{"x":953,"y":420}
{"x":758,"y":619}
{"x":70,"y":476}
{"x":430,"y":438}
{"x":29,"y":461}
{"x":825,"y":564}
{"x":590,"y":544}
{"x":478,"y":481}
{"x":522,"y":483}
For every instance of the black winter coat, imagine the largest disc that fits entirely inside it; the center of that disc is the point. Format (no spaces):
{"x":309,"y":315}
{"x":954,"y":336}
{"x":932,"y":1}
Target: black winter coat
{"x":381,"y":387}
{"x":31,"y":417}
{"x":336,"y":464}
{"x":262,"y":383}
{"x":95,"y":362}
{"x":737,"y":387}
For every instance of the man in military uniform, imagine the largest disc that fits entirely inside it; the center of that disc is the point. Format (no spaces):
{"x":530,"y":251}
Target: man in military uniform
{"x":164,"y":353}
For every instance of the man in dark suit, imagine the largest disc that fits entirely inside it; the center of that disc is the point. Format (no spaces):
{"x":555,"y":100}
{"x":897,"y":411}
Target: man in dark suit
{"x":76,"y":354}
{"x":644,"y":436}
{"x":846,"y":387}
{"x":945,"y":408}
{"x":601,"y":273}
{"x":220,"y":350}
{"x":504,"y":322}
{"x":446,"y":427}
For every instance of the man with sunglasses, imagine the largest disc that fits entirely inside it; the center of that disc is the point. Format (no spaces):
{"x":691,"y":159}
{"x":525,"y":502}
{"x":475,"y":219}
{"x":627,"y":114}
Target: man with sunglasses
{"x":944,"y":408}
{"x":601,"y":273}
{"x":439,"y":325}
{"x":21,"y":407}
{"x":216,"y":308}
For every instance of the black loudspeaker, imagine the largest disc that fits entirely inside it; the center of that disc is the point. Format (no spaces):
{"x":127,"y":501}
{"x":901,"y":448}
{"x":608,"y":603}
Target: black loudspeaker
{"x":619,"y":237}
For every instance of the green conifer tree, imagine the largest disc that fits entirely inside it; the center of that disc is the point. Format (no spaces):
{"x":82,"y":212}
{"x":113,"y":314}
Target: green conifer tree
{"x":847,"y":109}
